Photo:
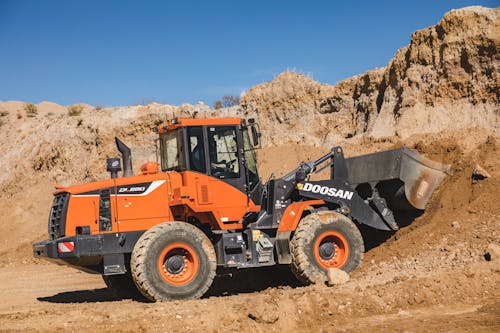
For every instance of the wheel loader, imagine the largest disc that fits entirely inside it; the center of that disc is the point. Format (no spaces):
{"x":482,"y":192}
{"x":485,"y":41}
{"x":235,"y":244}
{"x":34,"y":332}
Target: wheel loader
{"x":203,"y":209}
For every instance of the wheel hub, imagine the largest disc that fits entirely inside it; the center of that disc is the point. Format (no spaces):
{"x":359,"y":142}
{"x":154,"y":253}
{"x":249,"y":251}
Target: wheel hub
{"x":331,"y":249}
{"x":326,"y":251}
{"x":174,"y":264}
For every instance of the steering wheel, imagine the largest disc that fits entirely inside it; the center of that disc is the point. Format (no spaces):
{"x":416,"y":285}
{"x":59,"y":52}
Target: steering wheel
{"x":230,"y":163}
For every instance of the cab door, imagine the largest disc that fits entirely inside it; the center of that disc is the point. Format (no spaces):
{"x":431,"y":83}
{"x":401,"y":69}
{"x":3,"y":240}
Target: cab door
{"x":227,"y":181}
{"x":196,"y":149}
{"x":215,"y":169}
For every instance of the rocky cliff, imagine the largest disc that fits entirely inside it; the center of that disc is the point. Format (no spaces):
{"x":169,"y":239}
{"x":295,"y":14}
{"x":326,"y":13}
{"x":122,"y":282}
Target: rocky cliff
{"x":447,"y":78}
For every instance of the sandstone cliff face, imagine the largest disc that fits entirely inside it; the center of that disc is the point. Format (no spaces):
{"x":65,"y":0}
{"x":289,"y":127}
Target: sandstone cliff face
{"x":290,"y":103}
{"x":447,"y":78}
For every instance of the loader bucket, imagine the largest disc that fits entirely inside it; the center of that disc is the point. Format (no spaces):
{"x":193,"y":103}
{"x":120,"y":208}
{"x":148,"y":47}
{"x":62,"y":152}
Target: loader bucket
{"x":402,"y":176}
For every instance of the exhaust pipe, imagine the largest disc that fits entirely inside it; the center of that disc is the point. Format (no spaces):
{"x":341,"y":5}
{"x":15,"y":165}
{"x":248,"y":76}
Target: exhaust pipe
{"x":126,"y":157}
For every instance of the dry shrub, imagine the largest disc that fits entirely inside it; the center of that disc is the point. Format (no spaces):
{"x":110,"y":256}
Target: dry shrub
{"x":217,"y":105}
{"x":31,"y":109}
{"x":75,"y":110}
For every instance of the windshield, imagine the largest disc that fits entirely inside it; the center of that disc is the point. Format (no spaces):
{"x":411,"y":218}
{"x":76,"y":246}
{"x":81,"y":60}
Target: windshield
{"x":250,"y":160}
{"x":169,"y":150}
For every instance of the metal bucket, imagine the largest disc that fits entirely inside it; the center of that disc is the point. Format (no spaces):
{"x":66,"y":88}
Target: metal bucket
{"x":401,"y":176}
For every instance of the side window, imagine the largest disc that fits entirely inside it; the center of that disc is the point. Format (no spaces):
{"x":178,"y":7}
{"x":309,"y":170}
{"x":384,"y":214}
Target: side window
{"x":251,"y":161}
{"x":169,"y":151}
{"x":196,"y":149}
{"x":223,"y":151}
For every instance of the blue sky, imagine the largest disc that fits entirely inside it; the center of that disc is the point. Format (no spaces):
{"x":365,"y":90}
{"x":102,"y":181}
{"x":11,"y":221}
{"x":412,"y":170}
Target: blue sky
{"x":127,"y":52}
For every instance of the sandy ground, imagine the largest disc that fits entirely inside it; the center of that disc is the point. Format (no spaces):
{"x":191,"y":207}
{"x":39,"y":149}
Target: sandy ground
{"x":47,"y":298}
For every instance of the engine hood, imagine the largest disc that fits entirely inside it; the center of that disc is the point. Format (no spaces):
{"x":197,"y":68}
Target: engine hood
{"x":124,"y":184}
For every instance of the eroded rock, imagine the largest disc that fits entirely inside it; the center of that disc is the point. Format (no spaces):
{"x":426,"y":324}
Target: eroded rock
{"x":336,"y":276}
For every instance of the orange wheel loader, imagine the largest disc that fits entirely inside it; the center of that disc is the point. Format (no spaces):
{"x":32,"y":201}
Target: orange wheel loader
{"x":203,"y":209}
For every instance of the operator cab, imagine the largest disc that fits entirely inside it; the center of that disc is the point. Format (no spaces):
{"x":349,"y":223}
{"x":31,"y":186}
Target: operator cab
{"x":220,"y":148}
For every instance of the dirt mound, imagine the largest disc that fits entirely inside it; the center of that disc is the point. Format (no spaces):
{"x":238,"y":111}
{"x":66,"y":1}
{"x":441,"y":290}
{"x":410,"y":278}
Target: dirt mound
{"x":462,"y":217}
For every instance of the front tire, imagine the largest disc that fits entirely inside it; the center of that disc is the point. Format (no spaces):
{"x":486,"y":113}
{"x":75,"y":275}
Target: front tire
{"x":173,"y":260}
{"x":325,"y":240}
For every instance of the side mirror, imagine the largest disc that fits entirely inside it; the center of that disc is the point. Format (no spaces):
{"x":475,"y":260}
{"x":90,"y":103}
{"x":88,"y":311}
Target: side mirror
{"x":255,"y":135}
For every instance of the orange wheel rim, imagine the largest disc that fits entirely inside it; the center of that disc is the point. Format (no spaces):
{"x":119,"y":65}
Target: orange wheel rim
{"x":331,"y":249}
{"x":178,"y":263}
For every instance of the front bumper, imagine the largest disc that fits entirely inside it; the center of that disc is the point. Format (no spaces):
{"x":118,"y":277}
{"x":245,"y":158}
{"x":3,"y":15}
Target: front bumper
{"x":66,"y":247}
{"x":72,"y":251}
{"x":45,"y":249}
{"x":90,"y":253}
{"x":86,"y":245}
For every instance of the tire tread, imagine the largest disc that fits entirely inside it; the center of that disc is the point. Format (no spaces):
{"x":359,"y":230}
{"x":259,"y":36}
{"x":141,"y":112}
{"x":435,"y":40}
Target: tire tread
{"x":302,"y":266}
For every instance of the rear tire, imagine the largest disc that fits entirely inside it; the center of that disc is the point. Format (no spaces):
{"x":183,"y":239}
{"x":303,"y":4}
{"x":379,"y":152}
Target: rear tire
{"x":173,"y":260}
{"x":325,"y":240}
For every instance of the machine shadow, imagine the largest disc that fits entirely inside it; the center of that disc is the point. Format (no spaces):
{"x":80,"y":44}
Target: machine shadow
{"x":229,"y":283}
{"x":251,"y":280}
{"x":87,"y":296}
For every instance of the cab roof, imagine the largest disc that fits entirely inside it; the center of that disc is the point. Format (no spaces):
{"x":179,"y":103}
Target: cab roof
{"x":183,"y":122}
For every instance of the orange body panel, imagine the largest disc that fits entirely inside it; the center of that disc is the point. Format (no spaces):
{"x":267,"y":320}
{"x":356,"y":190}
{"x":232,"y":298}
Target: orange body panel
{"x":128,"y":212}
{"x":84,"y":210}
{"x":171,"y":196}
{"x":141,"y":212}
{"x":205,"y":194}
{"x":293,"y":213}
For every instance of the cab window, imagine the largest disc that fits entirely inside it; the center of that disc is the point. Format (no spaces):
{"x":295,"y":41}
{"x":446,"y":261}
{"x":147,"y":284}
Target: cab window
{"x":169,"y":150}
{"x":223,"y":151}
{"x":251,"y":161}
{"x":196,"y":149}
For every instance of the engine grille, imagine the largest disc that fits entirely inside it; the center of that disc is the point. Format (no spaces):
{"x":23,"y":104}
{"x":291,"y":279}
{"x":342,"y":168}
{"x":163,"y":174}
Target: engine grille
{"x":57,"y":217}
